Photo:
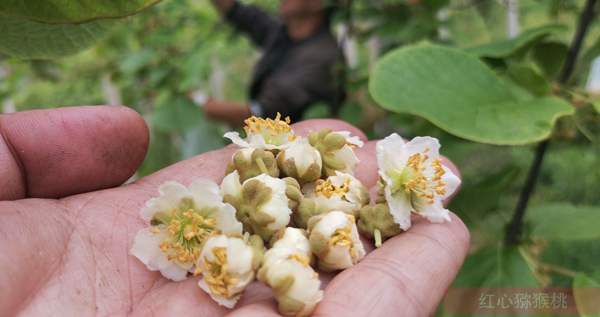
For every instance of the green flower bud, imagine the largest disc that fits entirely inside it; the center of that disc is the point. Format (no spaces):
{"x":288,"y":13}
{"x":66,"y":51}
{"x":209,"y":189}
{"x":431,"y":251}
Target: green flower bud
{"x":377,"y":223}
{"x":251,"y":162}
{"x":300,"y":161}
{"x":336,"y":149}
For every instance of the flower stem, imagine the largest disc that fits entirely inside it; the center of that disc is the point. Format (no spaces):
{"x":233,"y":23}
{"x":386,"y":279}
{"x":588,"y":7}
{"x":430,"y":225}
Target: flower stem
{"x":377,"y":235}
{"x":515,"y":227}
{"x":262,"y":166}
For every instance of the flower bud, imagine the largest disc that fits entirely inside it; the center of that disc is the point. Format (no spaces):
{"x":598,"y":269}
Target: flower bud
{"x":377,"y":223}
{"x":286,"y":269}
{"x":251,"y":162}
{"x":294,"y":239}
{"x":300,"y":161}
{"x":337,"y":150}
{"x":182,"y":219}
{"x":227,"y":266}
{"x":261,"y":203}
{"x":335,"y":241}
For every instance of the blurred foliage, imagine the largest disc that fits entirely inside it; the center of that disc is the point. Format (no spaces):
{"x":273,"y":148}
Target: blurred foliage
{"x":155,"y":61}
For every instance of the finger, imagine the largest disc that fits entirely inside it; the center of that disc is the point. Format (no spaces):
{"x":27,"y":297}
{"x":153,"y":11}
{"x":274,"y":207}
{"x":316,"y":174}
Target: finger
{"x":266,"y":308}
{"x":409,"y":273}
{"x":59,"y":152}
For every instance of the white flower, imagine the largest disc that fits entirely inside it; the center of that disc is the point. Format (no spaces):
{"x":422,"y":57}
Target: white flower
{"x":293,"y":239}
{"x":261,"y":203}
{"x":346,"y":153}
{"x":294,"y":282}
{"x":301,"y":161}
{"x":269,"y":134}
{"x":335,"y":241}
{"x":341,"y":192}
{"x":226,"y":264}
{"x":414,"y":179}
{"x":182,"y":219}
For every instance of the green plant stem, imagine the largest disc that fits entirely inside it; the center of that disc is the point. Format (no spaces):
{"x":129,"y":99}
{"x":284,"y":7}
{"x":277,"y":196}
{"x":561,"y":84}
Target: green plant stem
{"x":515,"y":227}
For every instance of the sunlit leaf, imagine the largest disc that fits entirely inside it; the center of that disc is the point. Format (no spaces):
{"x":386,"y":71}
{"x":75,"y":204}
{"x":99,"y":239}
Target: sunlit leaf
{"x":586,"y":292}
{"x":564,"y":222}
{"x":458,"y":93}
{"x":511,"y":46}
{"x":71,"y":11}
{"x":24,"y":39}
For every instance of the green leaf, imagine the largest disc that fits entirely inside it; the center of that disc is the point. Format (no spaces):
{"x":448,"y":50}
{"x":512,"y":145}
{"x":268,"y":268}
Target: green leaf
{"x":529,"y":78}
{"x":586,"y":292}
{"x":587,"y":119}
{"x":71,"y":11}
{"x":505,"y":48}
{"x":550,"y":56}
{"x":496,"y":267}
{"x":564,"y":222}
{"x":24,"y":39}
{"x":458,"y":93}
{"x":176,"y":114}
{"x":596,"y":105}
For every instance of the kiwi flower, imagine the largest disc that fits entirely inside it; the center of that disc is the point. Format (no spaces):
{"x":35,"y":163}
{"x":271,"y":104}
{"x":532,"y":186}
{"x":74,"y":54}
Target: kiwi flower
{"x":261,"y":203}
{"x":227,"y":265}
{"x":249,"y":162}
{"x":267,"y":134}
{"x":414,"y":179}
{"x":182,"y":219}
{"x":342,"y":192}
{"x":337,"y":150}
{"x":301,"y":161}
{"x":335,"y":241}
{"x":286,"y":269}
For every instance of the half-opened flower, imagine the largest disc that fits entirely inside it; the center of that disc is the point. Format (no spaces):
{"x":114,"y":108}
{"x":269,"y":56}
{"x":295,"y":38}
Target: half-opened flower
{"x":261,"y":203}
{"x":269,"y":134}
{"x":337,"y":150}
{"x":301,"y":161}
{"x":292,"y":239}
{"x":414,"y":179}
{"x":182,"y":219}
{"x":227,"y":266}
{"x":335,"y":241}
{"x":342,"y":192}
{"x":295,"y":284}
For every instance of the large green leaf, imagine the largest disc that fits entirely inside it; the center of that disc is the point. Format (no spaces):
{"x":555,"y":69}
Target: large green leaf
{"x":528,"y":78}
{"x":71,"y":11}
{"x":508,"y":47}
{"x":564,"y":222}
{"x":24,"y":39}
{"x":458,"y":93}
{"x":587,"y":119}
{"x":586,"y":292}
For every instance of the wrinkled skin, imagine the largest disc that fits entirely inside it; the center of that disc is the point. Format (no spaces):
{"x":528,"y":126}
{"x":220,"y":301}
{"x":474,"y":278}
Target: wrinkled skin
{"x":66,"y":227}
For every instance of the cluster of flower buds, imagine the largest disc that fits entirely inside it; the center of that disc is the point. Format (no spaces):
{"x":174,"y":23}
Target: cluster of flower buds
{"x":296,"y":195}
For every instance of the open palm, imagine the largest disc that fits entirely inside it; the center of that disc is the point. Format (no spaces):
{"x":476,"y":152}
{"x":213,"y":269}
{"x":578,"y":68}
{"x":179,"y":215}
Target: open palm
{"x":65,"y":238}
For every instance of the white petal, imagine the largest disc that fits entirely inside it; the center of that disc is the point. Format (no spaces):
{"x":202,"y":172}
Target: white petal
{"x":304,"y":156}
{"x":435,"y":213}
{"x":354,"y":140}
{"x":231,"y":185}
{"x":452,"y":182}
{"x":277,"y":207}
{"x":428,"y":145}
{"x":294,"y":239}
{"x":400,"y":208}
{"x":154,"y":206}
{"x":146,"y":247}
{"x":239,"y":257}
{"x":227,"y":223}
{"x":206,"y":193}
{"x":236,"y":139}
{"x":173,"y":191}
{"x":226,"y":302}
{"x":391,"y":154}
{"x":347,"y":155}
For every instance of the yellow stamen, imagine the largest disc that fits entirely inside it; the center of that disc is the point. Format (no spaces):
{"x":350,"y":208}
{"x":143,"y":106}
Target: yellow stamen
{"x":327,"y":189}
{"x":343,"y":237}
{"x":270,"y":129}
{"x":216,"y":276}
{"x":305,"y":261}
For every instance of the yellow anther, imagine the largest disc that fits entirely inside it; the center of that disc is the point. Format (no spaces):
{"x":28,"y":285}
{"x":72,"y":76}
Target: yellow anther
{"x":216,"y":276}
{"x":327,"y":189}
{"x":343,"y":237}
{"x":302,"y":259}
{"x":271,"y":129}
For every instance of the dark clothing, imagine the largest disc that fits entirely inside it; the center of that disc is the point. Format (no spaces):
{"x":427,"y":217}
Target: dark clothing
{"x":291,"y":75}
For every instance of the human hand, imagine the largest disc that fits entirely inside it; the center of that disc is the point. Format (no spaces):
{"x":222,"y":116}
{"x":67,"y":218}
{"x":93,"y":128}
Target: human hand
{"x":68,"y":253}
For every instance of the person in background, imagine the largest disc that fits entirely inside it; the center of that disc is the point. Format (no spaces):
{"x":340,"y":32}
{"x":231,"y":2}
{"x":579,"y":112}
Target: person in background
{"x":301,"y":64}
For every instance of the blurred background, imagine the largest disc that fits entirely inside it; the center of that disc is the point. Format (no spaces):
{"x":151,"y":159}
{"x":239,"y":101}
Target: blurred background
{"x":158,"y":60}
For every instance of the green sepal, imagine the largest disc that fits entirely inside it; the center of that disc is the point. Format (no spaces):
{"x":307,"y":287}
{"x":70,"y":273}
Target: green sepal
{"x":248,"y":208}
{"x":258,"y":248}
{"x":288,"y":168}
{"x":293,"y":192}
{"x":288,"y":306}
{"x":260,"y":162}
{"x":378,"y":217}
{"x":328,"y":143}
{"x":306,"y":209}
